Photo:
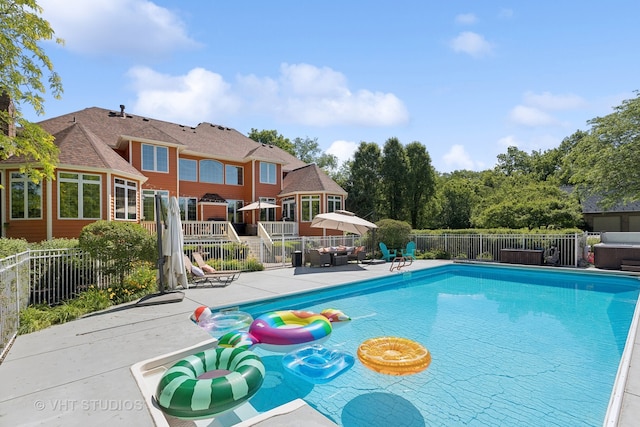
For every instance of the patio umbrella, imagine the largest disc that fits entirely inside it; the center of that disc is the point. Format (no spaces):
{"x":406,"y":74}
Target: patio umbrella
{"x":258,"y":205}
{"x":344,"y":221}
{"x":172,"y":248}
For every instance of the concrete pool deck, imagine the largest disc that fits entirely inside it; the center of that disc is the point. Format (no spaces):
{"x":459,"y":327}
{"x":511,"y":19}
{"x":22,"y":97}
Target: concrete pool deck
{"x":78,"y":373}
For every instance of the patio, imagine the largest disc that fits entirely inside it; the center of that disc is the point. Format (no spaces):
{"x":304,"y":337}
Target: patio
{"x":78,"y":373}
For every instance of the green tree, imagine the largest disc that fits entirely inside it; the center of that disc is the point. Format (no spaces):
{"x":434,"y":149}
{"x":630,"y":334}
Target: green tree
{"x":514,"y":161}
{"x":364,"y":181}
{"x":522,"y":202}
{"x":394,"y":175}
{"x":420,"y":182}
{"x":605,"y":161}
{"x":308,"y":150}
{"x":23,"y":63}
{"x":272,"y":137}
{"x":457,"y":198}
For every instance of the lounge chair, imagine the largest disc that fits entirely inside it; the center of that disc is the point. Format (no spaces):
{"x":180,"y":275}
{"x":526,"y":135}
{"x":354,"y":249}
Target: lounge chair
{"x":214,"y":277}
{"x":387,"y":255}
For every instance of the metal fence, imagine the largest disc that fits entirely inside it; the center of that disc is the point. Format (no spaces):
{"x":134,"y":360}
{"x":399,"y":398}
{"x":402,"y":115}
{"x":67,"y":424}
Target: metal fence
{"x":14,"y":296}
{"x":54,"y":275}
{"x":571,"y":248}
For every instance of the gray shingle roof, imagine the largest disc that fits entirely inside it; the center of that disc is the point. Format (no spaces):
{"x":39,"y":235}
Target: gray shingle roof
{"x":309,"y":178}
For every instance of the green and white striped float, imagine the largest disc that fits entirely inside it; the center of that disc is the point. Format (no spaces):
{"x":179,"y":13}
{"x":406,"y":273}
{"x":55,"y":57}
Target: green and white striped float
{"x":181,"y":394}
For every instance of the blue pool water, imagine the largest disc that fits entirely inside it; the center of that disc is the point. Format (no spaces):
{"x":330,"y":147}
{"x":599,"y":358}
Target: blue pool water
{"x":509,"y":346}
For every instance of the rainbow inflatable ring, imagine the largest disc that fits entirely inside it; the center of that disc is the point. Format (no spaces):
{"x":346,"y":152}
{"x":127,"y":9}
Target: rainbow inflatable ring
{"x":284,"y":331}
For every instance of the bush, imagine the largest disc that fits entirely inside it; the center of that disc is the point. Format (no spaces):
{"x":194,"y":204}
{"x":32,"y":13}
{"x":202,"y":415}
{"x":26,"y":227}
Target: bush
{"x":140,"y":282}
{"x":10,"y":247}
{"x":395,"y":234}
{"x":119,"y":245}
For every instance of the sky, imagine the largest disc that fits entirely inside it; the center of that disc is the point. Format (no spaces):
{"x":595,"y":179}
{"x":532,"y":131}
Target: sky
{"x":467,"y":79}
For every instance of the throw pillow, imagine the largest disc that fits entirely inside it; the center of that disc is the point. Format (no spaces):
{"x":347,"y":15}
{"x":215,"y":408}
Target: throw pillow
{"x":197,"y":271}
{"x":208,"y":269}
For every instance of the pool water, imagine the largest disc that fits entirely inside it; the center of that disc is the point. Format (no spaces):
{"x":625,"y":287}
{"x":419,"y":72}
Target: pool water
{"x":509,"y":346}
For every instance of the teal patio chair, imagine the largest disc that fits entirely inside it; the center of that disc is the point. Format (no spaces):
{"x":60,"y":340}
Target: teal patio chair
{"x":387,"y":255}
{"x":410,"y":250}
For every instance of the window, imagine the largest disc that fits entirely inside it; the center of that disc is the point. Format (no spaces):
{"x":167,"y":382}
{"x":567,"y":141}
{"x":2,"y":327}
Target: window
{"x":188,"y":208}
{"x":155,"y":158}
{"x":126,"y":197}
{"x":26,"y":197}
{"x":188,"y":170}
{"x":268,"y":173}
{"x":234,"y":175}
{"x":310,"y":207}
{"x":211,"y":171}
{"x":233,"y":214}
{"x":334,"y":203}
{"x":268,"y":214}
{"x":79,"y":196}
{"x":149,"y":203}
{"x":289,"y":208}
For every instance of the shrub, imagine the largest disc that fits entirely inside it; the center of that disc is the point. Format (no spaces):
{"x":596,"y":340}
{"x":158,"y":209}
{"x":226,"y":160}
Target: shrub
{"x":395,"y":234}
{"x":10,"y":247}
{"x":140,"y":282}
{"x":115,"y":243}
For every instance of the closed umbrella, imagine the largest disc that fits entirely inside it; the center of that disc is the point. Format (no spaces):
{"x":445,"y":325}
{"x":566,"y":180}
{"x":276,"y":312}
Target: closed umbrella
{"x":172,"y":248}
{"x":344,"y":221}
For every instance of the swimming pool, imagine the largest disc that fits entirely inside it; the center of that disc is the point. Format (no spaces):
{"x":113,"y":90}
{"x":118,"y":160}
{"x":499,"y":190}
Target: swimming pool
{"x":509,"y":346}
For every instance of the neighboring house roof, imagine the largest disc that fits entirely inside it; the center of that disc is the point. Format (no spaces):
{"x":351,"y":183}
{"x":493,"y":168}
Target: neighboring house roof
{"x":206,"y":139}
{"x":591,"y":206}
{"x":309,"y":178}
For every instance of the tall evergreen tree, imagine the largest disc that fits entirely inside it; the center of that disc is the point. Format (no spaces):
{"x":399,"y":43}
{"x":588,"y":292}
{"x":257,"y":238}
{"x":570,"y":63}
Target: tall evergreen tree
{"x":420,"y":182}
{"x":394,"y":175}
{"x":364,"y":181}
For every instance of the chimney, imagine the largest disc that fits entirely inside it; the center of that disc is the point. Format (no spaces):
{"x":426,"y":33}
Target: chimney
{"x":122,"y":110}
{"x":6,"y":104}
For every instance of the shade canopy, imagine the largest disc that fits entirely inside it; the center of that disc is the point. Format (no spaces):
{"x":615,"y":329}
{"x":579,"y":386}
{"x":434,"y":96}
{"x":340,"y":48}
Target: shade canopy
{"x":258,"y":205}
{"x":344,"y":221}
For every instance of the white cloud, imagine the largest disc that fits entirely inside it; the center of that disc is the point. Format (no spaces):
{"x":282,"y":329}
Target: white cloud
{"x":198,"y":96}
{"x":343,"y":150}
{"x":531,"y":116}
{"x":471,"y":43}
{"x":302,"y":94}
{"x":509,"y":141}
{"x":466,"y":18}
{"x":116,"y":27}
{"x":549,"y":101}
{"x":458,"y":158}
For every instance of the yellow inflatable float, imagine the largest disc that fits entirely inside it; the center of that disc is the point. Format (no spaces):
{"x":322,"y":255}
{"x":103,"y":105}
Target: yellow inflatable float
{"x":394,"y":355}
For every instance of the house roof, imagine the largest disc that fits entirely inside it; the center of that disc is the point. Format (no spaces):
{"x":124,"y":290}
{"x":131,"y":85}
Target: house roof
{"x":206,"y":139}
{"x":79,"y":147}
{"x":309,"y":178}
{"x":591,"y":206}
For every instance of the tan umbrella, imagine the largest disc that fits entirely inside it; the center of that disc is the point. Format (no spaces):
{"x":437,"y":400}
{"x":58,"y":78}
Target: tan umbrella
{"x":258,"y":205}
{"x":344,"y":221}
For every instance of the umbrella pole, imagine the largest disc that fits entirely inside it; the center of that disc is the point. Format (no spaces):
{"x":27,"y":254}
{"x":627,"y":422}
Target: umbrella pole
{"x":159,"y":227}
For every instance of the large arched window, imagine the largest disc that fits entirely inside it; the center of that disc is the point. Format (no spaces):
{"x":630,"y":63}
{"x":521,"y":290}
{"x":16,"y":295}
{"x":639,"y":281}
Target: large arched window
{"x":211,"y":171}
